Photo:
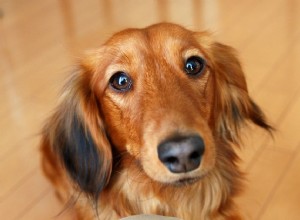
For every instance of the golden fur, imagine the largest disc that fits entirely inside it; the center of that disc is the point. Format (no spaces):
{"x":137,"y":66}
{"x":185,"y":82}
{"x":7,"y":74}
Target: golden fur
{"x":100,"y":145}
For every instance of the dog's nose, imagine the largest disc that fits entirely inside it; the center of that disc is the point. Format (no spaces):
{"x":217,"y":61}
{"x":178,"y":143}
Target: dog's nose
{"x":181,"y":154}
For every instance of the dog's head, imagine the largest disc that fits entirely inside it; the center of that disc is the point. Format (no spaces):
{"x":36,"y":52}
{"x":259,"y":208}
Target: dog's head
{"x":161,"y":96}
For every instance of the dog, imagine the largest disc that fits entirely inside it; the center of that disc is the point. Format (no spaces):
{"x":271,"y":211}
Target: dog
{"x":149,"y":124}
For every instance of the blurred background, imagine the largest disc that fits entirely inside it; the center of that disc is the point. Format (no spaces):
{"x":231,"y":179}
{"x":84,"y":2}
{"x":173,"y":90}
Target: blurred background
{"x":41,"y":39}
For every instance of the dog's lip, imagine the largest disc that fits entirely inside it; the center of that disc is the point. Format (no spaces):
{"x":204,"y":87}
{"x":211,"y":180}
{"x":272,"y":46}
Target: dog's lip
{"x":187,"y":181}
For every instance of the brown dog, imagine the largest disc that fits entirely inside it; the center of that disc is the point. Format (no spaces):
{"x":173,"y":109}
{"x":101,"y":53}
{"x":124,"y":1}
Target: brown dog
{"x":148,"y":124}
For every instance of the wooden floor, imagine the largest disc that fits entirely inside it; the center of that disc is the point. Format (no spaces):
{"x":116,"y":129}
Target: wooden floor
{"x":40,"y":39}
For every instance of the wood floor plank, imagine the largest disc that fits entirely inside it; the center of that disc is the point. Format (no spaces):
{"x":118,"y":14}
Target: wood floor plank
{"x":18,"y":201}
{"x":262,"y":178}
{"x":20,"y":163}
{"x":288,"y":136}
{"x":284,"y":203}
{"x":48,"y":208}
{"x":245,"y":23}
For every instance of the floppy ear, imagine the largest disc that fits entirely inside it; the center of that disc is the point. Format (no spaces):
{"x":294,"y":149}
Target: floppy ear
{"x":77,"y":135}
{"x":232,"y":105}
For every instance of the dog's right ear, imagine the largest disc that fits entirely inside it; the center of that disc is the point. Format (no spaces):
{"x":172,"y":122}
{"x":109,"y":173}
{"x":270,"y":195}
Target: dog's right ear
{"x":77,"y":135}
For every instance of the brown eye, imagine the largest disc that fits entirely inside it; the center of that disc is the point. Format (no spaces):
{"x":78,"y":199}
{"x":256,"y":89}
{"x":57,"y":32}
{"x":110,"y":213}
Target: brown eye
{"x":120,"y":81}
{"x":194,"y":66}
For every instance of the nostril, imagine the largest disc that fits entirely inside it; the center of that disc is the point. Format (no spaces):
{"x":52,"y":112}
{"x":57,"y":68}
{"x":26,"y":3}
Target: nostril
{"x":171,"y":160}
{"x":194,"y":156}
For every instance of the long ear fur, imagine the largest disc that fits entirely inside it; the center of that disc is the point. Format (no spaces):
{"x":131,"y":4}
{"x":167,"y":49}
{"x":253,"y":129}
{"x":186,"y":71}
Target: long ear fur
{"x":76,"y":133}
{"x":233,"y":106}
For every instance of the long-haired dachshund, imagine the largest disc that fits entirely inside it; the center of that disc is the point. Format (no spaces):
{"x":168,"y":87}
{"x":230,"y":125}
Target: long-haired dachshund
{"x":148,"y":124}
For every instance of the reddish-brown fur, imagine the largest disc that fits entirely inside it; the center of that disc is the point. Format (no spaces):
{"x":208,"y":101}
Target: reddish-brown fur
{"x":100,"y":145}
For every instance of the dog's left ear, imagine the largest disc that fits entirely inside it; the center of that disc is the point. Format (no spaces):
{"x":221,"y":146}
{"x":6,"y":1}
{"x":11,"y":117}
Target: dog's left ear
{"x":232,"y":105}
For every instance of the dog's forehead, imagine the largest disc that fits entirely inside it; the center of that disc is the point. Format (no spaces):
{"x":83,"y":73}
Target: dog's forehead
{"x":157,"y":38}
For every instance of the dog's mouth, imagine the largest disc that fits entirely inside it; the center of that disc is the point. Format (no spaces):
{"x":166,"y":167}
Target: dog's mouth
{"x":187,"y":181}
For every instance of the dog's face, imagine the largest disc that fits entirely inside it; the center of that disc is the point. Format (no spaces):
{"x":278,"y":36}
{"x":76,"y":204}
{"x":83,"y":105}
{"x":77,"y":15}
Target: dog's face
{"x":164,"y":96}
{"x":158,"y":88}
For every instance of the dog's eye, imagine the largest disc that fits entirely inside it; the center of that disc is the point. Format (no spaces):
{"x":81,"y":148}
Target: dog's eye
{"x":120,"y":81}
{"x":194,"y":66}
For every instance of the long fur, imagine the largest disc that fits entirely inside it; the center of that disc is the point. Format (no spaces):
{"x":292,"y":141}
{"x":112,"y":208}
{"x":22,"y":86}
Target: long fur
{"x":97,"y":143}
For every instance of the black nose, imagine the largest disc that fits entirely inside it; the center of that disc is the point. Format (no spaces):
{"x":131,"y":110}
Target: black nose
{"x":181,"y":154}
